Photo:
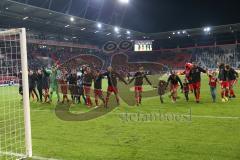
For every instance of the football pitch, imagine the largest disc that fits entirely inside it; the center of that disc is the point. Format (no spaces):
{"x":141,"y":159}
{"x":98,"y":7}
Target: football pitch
{"x":153,"y":131}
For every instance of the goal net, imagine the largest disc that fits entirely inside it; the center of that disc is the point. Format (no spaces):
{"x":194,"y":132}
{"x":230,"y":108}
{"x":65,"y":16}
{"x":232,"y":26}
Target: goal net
{"x":15,"y":129}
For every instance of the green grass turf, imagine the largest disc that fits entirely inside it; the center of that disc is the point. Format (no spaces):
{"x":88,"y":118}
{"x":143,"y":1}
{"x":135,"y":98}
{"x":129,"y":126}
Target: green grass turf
{"x":212,"y":133}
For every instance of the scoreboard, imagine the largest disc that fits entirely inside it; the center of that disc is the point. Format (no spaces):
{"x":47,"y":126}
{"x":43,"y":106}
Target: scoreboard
{"x":143,"y":46}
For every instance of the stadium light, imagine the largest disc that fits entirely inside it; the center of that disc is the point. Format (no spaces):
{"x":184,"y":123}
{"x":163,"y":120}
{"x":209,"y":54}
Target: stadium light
{"x":184,"y":32}
{"x":99,"y":25}
{"x":173,"y":33}
{"x":123,"y":1}
{"x":128,"y":32}
{"x":72,"y":19}
{"x":25,"y":18}
{"x":116,"y":29}
{"x":178,"y":32}
{"x":207,"y":29}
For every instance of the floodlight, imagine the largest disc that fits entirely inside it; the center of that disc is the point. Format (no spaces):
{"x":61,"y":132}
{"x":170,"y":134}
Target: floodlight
{"x":124,"y":1}
{"x":116,"y":29}
{"x":207,"y":29}
{"x":25,"y":18}
{"x":72,"y":19}
{"x":99,"y":25}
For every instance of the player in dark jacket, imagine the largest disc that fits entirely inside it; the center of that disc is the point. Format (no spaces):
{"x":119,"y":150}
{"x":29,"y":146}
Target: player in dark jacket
{"x":72,"y":81}
{"x":174,"y":81}
{"x":87,"y":83}
{"x":233,"y":76}
{"x":98,"y":87}
{"x":80,"y":90}
{"x":223,"y":77}
{"x":139,"y":77}
{"x":32,"y":84}
{"x":112,"y":84}
{"x":39,"y":77}
{"x":186,"y":89}
{"x":195,"y":77}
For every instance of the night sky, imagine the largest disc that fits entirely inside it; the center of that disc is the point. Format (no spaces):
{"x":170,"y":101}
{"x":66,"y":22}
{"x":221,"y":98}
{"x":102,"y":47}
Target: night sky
{"x":167,"y":15}
{"x":157,"y":15}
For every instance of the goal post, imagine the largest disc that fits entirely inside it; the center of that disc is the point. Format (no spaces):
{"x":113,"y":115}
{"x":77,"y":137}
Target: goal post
{"x":26,"y":103}
{"x":15,"y":123}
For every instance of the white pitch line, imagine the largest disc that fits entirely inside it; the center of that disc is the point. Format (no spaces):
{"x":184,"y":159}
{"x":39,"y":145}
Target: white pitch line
{"x":43,"y":158}
{"x":215,"y":117}
{"x":24,"y":156}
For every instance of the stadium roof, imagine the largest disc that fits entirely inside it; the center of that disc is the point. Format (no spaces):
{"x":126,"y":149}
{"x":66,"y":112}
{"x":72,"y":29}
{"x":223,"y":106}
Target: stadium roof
{"x":15,"y":14}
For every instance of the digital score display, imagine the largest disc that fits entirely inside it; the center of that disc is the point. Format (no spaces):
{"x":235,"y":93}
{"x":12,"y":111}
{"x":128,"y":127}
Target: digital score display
{"x":143,"y":46}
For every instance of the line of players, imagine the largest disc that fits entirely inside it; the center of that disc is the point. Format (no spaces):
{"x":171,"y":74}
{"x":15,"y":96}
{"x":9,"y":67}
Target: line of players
{"x":49,"y":81}
{"x":58,"y":79}
{"x":227,"y":78}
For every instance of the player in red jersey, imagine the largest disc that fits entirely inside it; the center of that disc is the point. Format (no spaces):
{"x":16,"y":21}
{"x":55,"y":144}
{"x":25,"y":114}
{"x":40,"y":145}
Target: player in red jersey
{"x":63,"y":85}
{"x":112,"y":84}
{"x":233,"y":76}
{"x":138,"y":77}
{"x":174,"y":82}
{"x":195,"y":77}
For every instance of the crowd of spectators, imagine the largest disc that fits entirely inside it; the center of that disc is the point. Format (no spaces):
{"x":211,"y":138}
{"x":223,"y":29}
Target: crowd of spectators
{"x":39,"y":57}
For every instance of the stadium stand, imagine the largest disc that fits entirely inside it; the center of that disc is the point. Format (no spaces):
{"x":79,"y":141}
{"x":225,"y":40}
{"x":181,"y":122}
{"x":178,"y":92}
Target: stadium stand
{"x":207,"y":56}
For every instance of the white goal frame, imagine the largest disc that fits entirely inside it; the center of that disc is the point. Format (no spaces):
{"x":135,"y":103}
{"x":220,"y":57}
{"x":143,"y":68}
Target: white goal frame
{"x":26,"y":102}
